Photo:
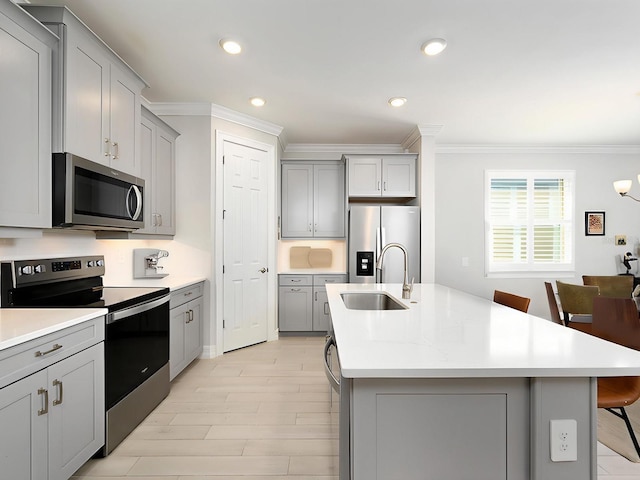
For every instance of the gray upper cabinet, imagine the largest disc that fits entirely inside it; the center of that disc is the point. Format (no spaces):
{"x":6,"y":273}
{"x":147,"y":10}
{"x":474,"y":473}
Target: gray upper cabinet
{"x":96,"y":95}
{"x":313,"y":200}
{"x":157,"y":155}
{"x":382,"y":175}
{"x":25,"y":119}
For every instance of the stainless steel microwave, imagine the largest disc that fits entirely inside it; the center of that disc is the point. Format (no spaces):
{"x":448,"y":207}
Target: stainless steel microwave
{"x":90,"y":196}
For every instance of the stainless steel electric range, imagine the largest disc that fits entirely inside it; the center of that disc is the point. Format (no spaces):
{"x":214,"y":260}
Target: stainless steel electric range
{"x":136,"y":330}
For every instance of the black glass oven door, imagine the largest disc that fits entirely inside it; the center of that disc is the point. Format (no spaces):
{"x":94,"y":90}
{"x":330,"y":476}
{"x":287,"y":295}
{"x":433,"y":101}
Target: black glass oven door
{"x":136,"y":346}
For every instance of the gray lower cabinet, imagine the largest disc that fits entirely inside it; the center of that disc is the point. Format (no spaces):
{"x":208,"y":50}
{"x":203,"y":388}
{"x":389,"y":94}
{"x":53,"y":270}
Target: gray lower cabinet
{"x":53,"y":419}
{"x":302,"y":302}
{"x":185,"y":327}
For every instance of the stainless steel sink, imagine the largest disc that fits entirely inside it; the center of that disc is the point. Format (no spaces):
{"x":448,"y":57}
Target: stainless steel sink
{"x":371,"y":301}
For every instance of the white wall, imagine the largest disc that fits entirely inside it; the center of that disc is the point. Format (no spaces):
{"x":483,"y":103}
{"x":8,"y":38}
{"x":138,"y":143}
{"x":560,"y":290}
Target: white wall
{"x":459,"y":229}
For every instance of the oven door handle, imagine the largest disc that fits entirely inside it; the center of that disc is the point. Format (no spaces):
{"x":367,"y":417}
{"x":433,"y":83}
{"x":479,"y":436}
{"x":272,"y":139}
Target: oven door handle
{"x":335,"y":383}
{"x":127,"y":312}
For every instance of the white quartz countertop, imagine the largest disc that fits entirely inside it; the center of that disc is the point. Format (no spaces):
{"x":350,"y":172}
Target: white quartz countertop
{"x":171,"y":282}
{"x":447,"y":333}
{"x":19,"y":325}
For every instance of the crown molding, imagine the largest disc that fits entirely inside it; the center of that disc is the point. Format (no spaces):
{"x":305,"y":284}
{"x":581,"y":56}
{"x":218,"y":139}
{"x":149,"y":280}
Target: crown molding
{"x":225,"y":113}
{"x":171,"y":108}
{"x":343,"y":148}
{"x":561,"y":149}
{"x":418,"y":132}
{"x":213,"y":110}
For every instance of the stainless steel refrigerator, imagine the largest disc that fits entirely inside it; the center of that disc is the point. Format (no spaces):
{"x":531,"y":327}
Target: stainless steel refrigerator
{"x":373,"y":227}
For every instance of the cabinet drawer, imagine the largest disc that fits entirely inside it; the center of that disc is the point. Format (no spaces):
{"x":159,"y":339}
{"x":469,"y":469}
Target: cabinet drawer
{"x":285,"y":280}
{"x":29,"y":357}
{"x":319,"y":280}
{"x":186,"y":294}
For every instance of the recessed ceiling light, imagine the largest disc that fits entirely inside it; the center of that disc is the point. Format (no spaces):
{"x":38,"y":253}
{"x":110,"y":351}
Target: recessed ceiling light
{"x":434,"y":46}
{"x":397,"y":101}
{"x":230,"y":46}
{"x":257,"y":101}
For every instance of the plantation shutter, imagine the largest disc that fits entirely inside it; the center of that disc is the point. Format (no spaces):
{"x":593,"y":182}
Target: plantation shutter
{"x":529,"y":221}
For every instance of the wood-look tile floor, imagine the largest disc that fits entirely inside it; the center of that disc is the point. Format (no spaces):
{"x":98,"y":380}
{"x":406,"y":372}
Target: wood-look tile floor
{"x":259,"y":412}
{"x":262,"y":412}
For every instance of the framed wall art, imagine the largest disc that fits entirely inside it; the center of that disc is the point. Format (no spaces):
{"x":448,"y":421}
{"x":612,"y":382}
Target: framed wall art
{"x":593,"y":223}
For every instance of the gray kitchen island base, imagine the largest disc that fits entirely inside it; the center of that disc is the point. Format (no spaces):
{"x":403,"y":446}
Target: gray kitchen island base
{"x":468,"y":428}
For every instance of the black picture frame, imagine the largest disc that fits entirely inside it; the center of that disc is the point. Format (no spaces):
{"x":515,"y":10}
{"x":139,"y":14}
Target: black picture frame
{"x":594,"y":223}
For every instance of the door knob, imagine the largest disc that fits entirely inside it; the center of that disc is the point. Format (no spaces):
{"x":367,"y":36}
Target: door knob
{"x":263,"y":270}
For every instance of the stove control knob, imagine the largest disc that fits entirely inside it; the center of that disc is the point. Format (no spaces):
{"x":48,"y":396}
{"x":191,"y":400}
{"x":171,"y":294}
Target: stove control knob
{"x":91,"y":263}
{"x":99,"y":263}
{"x":40,"y":268}
{"x":27,"y":270}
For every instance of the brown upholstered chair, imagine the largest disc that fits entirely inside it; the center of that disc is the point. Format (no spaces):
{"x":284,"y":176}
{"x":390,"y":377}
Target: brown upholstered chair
{"x":616,"y":320}
{"x":511,"y":300}
{"x":553,"y":305}
{"x":618,"y":286}
{"x":576,"y":301}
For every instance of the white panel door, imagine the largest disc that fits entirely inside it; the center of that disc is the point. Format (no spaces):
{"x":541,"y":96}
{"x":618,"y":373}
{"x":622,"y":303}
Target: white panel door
{"x":245,"y":246}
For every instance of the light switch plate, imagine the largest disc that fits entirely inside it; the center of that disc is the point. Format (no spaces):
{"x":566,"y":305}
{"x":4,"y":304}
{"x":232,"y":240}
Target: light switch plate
{"x":563,"y":440}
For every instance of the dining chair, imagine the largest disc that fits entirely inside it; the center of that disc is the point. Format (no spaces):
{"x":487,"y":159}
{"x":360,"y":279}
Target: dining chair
{"x":553,"y":305}
{"x":511,"y":300}
{"x":576,"y":301}
{"x":618,"y":286}
{"x":616,"y":320}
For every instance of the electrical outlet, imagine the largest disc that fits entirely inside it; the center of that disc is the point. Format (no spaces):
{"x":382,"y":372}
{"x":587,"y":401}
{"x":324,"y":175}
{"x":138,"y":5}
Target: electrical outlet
{"x":563,"y":440}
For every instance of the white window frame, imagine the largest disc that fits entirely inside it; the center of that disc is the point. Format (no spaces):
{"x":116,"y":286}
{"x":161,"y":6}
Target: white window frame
{"x":529,"y":267}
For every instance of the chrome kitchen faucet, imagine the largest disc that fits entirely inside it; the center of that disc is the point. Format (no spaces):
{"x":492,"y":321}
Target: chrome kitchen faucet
{"x":406,"y":288}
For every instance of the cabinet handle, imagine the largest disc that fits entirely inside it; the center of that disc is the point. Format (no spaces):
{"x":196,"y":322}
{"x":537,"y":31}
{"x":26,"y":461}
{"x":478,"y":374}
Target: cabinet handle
{"x":385,"y":186}
{"x":378,"y":185}
{"x":188,"y":316}
{"x":117,"y":147}
{"x":295,"y":289}
{"x":326,"y":308}
{"x":296,"y":280}
{"x":107,"y":151}
{"x":309,"y":227}
{"x":45,"y":409}
{"x":160,"y":217}
{"x":53,"y":349}
{"x":188,"y":294}
{"x":58,"y":383}
{"x":316,"y":296}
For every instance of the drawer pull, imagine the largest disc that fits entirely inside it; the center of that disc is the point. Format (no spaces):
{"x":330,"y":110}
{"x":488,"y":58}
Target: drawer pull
{"x":58,"y":383}
{"x":53,"y":349}
{"x":296,"y":280}
{"x":295,"y":289}
{"x":188,"y":294}
{"x":45,"y":409}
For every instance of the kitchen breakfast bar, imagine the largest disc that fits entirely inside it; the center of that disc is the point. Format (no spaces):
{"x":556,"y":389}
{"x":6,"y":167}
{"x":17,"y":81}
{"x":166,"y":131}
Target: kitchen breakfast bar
{"x":455,"y":386}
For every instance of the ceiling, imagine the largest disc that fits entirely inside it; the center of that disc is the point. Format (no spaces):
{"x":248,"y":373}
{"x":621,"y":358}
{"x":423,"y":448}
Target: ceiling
{"x":543,"y":72}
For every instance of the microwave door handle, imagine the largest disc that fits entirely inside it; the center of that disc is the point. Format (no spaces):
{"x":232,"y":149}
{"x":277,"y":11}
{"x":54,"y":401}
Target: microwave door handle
{"x":138,"y":193}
